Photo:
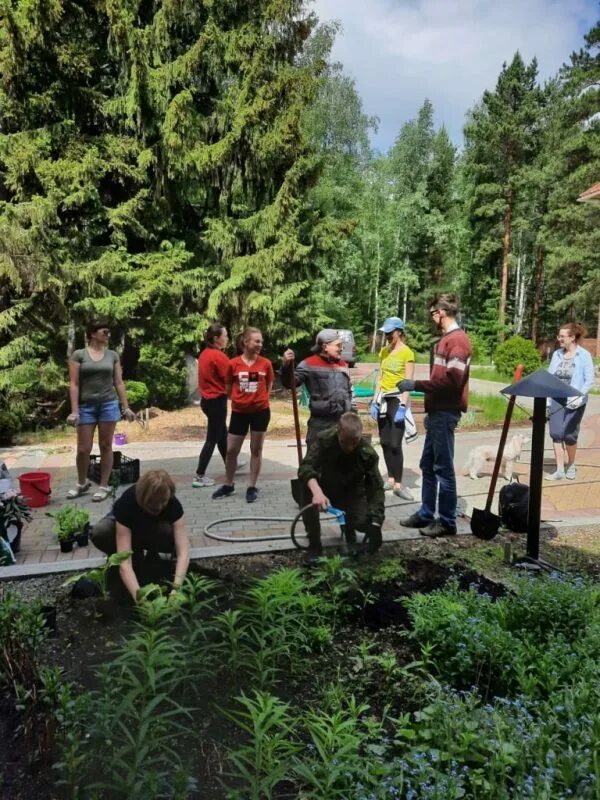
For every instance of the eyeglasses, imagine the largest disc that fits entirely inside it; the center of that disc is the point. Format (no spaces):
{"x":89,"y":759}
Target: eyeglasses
{"x":435,"y":311}
{"x":105,"y":331}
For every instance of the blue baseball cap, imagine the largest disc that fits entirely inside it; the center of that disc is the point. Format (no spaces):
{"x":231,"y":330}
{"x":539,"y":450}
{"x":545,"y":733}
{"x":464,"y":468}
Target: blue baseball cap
{"x":392,"y":324}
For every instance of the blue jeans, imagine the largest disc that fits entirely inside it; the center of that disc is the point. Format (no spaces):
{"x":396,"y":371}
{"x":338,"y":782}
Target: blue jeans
{"x":437,"y":466}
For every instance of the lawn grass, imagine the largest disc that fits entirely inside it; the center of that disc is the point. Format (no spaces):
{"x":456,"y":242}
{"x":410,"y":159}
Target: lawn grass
{"x":489,"y":374}
{"x":486,"y":410}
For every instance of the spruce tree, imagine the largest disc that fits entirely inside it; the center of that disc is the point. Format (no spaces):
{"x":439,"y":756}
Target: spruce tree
{"x":571,"y":229}
{"x":153,"y":168}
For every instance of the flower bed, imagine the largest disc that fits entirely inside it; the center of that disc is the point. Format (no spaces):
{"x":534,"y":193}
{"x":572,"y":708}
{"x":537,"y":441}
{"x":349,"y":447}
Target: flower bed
{"x":397,"y":678}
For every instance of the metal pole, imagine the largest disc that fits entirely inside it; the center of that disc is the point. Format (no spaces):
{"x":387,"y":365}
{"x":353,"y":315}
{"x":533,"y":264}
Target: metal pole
{"x":536,"y":474}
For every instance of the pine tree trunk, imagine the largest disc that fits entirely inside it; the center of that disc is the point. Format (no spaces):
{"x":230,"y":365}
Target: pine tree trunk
{"x":376,"y":311}
{"x":505,"y":257}
{"x":598,"y":335}
{"x":537,"y":293}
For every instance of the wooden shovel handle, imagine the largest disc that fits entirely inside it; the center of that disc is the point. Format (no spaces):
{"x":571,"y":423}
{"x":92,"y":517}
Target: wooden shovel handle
{"x":296,"y":412}
{"x":503,"y":437}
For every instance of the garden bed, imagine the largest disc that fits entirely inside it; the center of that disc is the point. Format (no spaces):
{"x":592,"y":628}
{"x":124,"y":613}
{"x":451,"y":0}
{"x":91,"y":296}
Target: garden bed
{"x":355,"y":679}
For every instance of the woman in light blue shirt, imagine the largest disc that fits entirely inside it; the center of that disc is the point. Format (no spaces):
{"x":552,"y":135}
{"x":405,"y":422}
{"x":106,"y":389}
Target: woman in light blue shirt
{"x":572,"y":364}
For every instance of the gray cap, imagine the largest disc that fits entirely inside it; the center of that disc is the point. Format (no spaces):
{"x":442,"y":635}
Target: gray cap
{"x":326,"y":336}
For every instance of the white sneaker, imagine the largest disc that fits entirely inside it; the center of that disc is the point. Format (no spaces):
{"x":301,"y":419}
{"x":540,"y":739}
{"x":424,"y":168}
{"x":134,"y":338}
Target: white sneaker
{"x":404,"y":493}
{"x":571,"y":473}
{"x":559,"y":475}
{"x":201,"y":480}
{"x":241,"y":465}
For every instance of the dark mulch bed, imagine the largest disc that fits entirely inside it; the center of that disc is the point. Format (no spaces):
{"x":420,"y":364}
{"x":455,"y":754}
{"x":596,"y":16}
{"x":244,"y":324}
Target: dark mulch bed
{"x":83,"y":641}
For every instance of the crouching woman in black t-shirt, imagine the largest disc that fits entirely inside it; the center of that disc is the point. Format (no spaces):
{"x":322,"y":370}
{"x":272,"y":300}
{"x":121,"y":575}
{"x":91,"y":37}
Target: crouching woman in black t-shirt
{"x":147,"y":519}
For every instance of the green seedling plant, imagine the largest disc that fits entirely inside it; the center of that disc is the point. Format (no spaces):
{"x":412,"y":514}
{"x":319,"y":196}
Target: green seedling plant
{"x":138,"y":716}
{"x":266,"y":760}
{"x":68,"y":521}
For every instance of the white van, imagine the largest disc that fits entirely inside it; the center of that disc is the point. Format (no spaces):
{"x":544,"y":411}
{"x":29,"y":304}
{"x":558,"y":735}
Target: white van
{"x":348,"y":347}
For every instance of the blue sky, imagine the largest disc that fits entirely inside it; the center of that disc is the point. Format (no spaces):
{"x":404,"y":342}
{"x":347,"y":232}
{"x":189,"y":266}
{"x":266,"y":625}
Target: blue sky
{"x":401,"y":51}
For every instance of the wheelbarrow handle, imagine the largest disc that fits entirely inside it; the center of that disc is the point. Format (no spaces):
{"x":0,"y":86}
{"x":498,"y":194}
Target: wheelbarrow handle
{"x":503,"y":437}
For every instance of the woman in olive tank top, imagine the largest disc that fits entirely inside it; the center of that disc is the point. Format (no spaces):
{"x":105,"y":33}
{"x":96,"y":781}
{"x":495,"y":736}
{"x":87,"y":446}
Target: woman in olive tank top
{"x":95,"y":380}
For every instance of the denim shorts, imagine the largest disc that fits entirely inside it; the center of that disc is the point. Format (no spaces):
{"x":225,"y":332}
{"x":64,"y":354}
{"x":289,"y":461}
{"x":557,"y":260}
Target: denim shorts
{"x":92,"y":413}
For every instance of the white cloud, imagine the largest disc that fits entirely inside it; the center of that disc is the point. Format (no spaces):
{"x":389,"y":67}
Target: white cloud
{"x":401,"y":51}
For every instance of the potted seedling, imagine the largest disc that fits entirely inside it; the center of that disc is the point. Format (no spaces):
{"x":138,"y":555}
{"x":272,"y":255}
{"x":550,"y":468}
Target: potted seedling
{"x":14,"y":512}
{"x":105,"y":607}
{"x":71,"y":524}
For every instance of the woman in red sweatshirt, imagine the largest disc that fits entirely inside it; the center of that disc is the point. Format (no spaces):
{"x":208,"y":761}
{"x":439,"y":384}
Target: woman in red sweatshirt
{"x":212,"y":377}
{"x":249,"y":380}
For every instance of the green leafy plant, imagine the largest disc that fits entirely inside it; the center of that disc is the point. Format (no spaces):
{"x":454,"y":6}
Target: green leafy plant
{"x":265,"y":761}
{"x":99,"y":575}
{"x":13,"y":510}
{"x":68,"y":521}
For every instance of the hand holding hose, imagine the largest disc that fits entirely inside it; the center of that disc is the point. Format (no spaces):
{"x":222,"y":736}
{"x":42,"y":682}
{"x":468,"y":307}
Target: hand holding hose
{"x":319,"y":499}
{"x":73,"y":419}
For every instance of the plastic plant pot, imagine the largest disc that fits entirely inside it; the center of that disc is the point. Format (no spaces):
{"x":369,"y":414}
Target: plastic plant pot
{"x":66,"y":545}
{"x":49,"y":615}
{"x":120,"y":439}
{"x":82,"y":538}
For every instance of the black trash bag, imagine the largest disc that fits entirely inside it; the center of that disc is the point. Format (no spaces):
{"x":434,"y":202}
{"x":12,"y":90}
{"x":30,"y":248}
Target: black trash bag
{"x":513,"y":504}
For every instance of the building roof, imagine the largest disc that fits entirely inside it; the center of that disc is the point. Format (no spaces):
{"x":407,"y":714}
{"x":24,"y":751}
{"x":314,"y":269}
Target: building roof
{"x":591,"y":195}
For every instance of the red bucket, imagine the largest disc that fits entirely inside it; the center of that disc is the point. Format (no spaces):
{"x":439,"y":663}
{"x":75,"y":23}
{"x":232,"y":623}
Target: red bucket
{"x":35,"y":488}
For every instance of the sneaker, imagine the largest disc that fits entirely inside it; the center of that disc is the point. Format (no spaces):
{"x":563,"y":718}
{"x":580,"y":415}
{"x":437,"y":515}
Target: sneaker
{"x":571,"y":473}
{"x":558,"y":475}
{"x":436,"y":529}
{"x":201,"y":480}
{"x":404,"y":493}
{"x":251,"y":494}
{"x":414,"y":521}
{"x":223,"y":491}
{"x":241,"y":465}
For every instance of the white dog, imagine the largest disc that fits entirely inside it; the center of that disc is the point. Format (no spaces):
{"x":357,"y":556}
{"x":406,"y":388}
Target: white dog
{"x":479,"y":456}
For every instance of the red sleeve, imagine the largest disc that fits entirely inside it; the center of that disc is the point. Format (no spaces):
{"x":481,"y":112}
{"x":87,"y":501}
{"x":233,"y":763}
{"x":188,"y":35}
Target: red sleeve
{"x":198,"y":372}
{"x":229,"y":371}
{"x":222,"y":367}
{"x":270,"y":374}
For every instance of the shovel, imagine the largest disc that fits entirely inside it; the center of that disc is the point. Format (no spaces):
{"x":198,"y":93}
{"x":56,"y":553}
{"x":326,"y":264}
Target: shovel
{"x":485,"y":524}
{"x":297,"y":487}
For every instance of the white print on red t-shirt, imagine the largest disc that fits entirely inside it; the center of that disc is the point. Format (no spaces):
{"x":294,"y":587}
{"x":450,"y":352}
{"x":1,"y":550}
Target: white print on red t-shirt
{"x":249,"y":381}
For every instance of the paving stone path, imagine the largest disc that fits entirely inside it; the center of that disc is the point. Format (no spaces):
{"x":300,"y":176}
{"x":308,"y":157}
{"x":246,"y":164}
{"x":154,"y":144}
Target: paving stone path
{"x":564,"y":504}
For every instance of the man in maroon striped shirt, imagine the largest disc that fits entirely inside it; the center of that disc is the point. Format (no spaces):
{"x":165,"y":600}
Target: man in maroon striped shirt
{"x":446,"y":397}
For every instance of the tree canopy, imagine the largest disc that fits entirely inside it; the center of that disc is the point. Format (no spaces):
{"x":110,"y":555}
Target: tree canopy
{"x":171,"y":163}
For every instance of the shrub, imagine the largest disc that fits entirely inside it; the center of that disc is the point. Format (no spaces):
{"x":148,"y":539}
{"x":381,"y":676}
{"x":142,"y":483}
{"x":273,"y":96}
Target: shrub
{"x":481,"y":349}
{"x":166,"y":381}
{"x":137,"y":394}
{"x":10,"y":424}
{"x":517,"y":350}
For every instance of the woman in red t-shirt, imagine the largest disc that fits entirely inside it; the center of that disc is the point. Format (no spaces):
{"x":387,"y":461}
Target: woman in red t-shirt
{"x":249,"y":382}
{"x":212,"y":378}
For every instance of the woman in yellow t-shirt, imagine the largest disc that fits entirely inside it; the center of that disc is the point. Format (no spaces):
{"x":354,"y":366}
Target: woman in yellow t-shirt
{"x":397,"y":361}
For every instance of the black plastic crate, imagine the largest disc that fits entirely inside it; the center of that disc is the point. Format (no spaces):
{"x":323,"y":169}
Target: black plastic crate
{"x":125,"y":470}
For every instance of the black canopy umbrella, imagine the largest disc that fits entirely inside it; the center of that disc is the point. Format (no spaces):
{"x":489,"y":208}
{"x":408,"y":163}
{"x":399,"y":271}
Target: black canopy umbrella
{"x":540,"y":385}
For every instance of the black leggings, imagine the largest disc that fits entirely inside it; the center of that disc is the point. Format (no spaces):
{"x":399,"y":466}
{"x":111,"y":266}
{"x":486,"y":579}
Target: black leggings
{"x":216,"y":432}
{"x":390,"y":437}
